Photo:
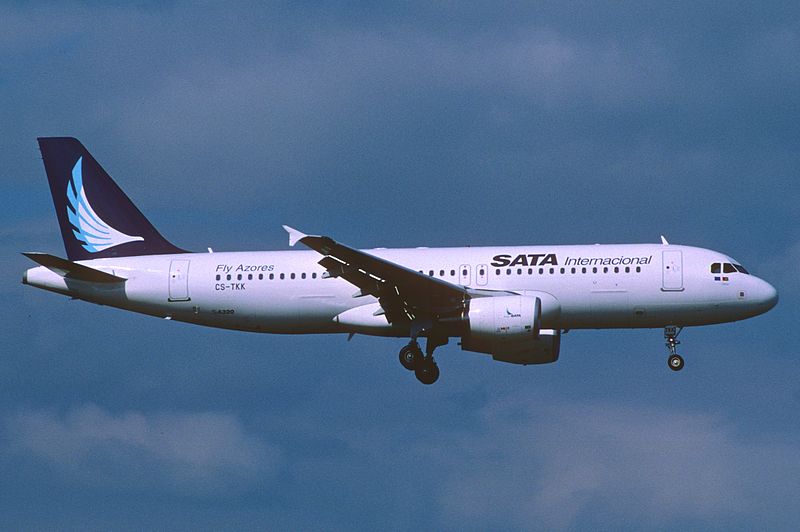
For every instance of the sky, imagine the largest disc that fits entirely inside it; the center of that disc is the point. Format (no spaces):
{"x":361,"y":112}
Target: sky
{"x":391,"y":125}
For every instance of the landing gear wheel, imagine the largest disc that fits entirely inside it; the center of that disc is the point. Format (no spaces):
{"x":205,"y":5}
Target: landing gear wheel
{"x":675,"y":362}
{"x":410,"y":357}
{"x":427,"y":372}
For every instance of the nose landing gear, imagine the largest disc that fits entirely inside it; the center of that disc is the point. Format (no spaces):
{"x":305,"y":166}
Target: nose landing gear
{"x":675,"y":361}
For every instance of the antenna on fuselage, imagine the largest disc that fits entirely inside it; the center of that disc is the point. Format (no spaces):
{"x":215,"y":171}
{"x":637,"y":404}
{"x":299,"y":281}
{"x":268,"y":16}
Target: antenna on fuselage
{"x":664,"y":241}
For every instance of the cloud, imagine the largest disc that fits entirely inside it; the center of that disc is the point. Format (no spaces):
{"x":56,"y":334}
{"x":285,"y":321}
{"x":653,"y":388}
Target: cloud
{"x":195,"y":453}
{"x":535,"y":465}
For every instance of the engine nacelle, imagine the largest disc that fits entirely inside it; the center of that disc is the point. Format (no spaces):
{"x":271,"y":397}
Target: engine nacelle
{"x":510,"y":328}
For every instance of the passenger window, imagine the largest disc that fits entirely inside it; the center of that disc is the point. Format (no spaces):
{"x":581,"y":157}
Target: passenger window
{"x":627,"y":269}
{"x":583,"y":270}
{"x":616,"y":269}
{"x":260,"y":276}
{"x":249,"y":276}
{"x":715,"y":268}
{"x":302,"y":275}
{"x":271,"y":276}
{"x":481,"y":272}
{"x":541,"y":271}
{"x":453,"y":273}
{"x":497,"y":272}
{"x":519,"y":271}
{"x":728,"y":268}
{"x":605,"y":269}
{"x":594,"y":270}
{"x":239,"y":277}
{"x":430,"y":273}
{"x":283,"y":276}
{"x":218,"y":277}
{"x":552,"y":270}
{"x":441,"y":273}
{"x":464,"y":273}
{"x":638,"y":269}
{"x":573,"y":270}
{"x":530,"y":271}
{"x":314,"y":275}
{"x":229,"y":277}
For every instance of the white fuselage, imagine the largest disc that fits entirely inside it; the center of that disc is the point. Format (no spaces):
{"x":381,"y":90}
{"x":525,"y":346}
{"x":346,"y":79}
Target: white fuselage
{"x":597,"y":286}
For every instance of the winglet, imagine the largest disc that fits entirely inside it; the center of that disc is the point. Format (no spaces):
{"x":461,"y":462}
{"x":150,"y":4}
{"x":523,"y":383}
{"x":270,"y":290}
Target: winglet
{"x":664,"y":241}
{"x":295,"y":236}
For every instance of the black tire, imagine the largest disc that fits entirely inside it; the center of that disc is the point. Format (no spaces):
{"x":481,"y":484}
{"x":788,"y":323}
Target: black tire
{"x":427,"y":372}
{"x":675,"y":362}
{"x":410,"y":357}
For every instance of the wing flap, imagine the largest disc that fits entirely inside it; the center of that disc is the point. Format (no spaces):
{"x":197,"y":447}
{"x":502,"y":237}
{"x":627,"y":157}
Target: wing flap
{"x":368,"y":285}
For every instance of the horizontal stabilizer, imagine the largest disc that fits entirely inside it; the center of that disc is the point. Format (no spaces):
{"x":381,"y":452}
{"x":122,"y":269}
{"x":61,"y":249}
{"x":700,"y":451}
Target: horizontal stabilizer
{"x":73,"y":270}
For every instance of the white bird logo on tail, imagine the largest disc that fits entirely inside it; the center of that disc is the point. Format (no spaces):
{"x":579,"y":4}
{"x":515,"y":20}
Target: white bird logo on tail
{"x":88,"y":227}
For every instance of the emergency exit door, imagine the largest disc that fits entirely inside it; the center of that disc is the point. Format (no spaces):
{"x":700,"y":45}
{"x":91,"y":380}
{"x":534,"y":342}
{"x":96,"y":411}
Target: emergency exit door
{"x":179,"y":280}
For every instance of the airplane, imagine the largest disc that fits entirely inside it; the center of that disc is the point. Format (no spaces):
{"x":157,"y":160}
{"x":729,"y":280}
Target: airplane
{"x":511,"y":302}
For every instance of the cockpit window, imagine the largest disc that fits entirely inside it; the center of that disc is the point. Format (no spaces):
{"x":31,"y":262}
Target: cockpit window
{"x":727,"y":267}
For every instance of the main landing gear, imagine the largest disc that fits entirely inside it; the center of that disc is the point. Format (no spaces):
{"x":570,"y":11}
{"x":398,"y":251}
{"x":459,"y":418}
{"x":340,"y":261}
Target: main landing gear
{"x":422,"y":364}
{"x":675,"y":361}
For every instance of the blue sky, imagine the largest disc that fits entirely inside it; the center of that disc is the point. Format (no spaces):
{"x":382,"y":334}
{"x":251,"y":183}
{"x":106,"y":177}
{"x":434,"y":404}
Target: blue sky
{"x":403,"y":125}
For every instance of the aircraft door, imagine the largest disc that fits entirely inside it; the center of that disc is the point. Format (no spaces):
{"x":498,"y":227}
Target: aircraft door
{"x":179,"y":280}
{"x":464,"y":274}
{"x":482,"y":276}
{"x":672,"y":270}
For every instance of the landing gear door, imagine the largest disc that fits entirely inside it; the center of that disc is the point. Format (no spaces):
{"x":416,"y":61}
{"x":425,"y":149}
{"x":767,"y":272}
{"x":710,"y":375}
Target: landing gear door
{"x":179,"y":280}
{"x":672,"y":271}
{"x":464,"y":274}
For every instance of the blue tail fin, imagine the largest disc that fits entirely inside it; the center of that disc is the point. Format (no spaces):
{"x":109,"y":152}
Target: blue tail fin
{"x":97,"y":219}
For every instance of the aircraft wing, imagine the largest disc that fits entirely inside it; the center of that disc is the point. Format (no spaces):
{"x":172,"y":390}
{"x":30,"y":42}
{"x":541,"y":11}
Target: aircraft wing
{"x":404,"y":294}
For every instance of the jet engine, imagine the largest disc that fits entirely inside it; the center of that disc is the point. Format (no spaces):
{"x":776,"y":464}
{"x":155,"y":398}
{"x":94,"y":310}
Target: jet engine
{"x":512,"y":328}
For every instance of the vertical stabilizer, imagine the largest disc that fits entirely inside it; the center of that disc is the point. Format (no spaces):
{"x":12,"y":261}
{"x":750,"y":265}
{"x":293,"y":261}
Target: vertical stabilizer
{"x":97,"y":219}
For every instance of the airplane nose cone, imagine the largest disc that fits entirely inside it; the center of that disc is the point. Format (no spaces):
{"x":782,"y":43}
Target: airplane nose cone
{"x":771,"y":297}
{"x":768,"y":296}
